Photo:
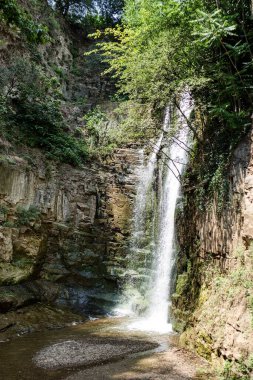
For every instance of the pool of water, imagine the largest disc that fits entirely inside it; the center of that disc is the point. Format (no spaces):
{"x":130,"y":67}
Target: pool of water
{"x":101,"y":341}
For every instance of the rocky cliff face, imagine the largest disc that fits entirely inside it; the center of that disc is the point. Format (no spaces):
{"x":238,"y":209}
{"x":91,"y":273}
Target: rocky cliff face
{"x":213,"y":299}
{"x":64,"y":231}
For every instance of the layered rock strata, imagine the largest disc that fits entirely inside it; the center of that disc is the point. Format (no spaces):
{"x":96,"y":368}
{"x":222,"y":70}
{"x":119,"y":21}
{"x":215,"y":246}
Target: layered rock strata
{"x":64,"y":231}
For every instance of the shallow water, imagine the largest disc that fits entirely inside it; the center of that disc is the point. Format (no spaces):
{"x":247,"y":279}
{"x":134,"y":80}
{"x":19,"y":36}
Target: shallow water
{"x":17,"y":356}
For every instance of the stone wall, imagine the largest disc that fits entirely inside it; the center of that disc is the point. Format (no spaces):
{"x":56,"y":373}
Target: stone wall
{"x":66,"y":226}
{"x":212,"y":302}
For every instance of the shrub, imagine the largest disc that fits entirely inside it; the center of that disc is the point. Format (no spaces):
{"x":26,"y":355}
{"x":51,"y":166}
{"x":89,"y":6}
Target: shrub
{"x":13,"y":14}
{"x":31,"y":112}
{"x":3,"y":210}
{"x":239,"y":370}
{"x":26,"y":216}
{"x":8,"y":224}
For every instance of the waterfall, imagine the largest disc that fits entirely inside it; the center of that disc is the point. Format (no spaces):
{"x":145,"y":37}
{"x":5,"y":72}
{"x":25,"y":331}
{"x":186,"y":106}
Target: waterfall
{"x":142,"y":243}
{"x":164,"y":255}
{"x":152,"y":252}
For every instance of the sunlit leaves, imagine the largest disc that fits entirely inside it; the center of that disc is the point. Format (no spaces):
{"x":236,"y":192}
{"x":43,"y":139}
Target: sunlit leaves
{"x":164,"y":46}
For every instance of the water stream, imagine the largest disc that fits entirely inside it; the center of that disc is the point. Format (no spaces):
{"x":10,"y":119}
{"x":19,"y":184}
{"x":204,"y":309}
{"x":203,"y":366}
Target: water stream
{"x":147,"y":288}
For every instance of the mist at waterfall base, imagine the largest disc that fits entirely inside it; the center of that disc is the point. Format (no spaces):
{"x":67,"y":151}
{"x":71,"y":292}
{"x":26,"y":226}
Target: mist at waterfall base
{"x":146,"y":292}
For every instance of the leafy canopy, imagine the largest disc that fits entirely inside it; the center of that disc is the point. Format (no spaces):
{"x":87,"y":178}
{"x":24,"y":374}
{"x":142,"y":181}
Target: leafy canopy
{"x":206,"y":46}
{"x":164,"y":47}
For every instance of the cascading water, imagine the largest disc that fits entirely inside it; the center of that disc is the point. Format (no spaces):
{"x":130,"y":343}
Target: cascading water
{"x":153,"y":239}
{"x":164,"y":255}
{"x":143,"y":234}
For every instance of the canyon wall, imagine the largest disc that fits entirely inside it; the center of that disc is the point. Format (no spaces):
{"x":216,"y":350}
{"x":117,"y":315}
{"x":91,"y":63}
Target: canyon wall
{"x":213,"y":298}
{"x":64,"y":231}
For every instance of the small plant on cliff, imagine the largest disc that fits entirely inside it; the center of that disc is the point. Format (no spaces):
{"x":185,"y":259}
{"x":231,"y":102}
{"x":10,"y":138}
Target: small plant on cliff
{"x":239,"y":370}
{"x":26,"y":216}
{"x":3,"y":210}
{"x":15,"y":16}
{"x":97,"y":126}
{"x":182,"y":284}
{"x":103,"y":132}
{"x":250,"y":304}
{"x":9,"y":224}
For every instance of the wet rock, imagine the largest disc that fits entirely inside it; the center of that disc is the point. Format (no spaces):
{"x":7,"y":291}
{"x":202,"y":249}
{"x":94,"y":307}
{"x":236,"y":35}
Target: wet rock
{"x":35,"y":317}
{"x":14,"y":297}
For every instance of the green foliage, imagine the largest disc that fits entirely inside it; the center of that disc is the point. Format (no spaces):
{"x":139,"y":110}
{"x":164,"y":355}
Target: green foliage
{"x":182,"y":283}
{"x":212,"y":27}
{"x":8,"y":224}
{"x":72,"y":6}
{"x":219,"y":185}
{"x":250,"y":304}
{"x":239,"y":370}
{"x":116,"y":127}
{"x":137,"y":122}
{"x":31,"y":112}
{"x":26,"y":216}
{"x":110,"y":8}
{"x":96,"y":125}
{"x":101,"y":139}
{"x":90,"y":22}
{"x":66,"y":148}
{"x":144,"y":54}
{"x":203,"y":46}
{"x":91,"y":14}
{"x":3,"y":209}
{"x":42,"y":125}
{"x":14,"y":15}
{"x":59,"y":71}
{"x":23,"y":262}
